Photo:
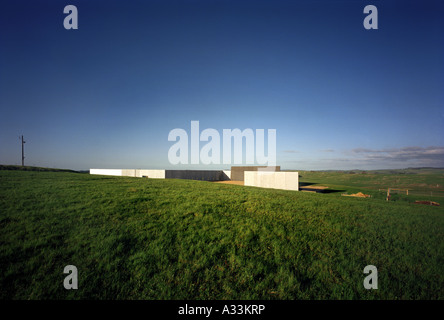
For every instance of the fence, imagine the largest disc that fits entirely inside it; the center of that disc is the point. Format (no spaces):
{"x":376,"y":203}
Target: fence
{"x":413,"y":192}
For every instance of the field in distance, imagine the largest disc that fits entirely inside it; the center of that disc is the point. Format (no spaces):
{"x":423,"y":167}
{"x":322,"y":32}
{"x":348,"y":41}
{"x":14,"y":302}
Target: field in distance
{"x":135,"y":238}
{"x":421,"y":183}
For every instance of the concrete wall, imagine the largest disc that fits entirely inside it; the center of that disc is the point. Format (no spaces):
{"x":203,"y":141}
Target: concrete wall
{"x":107,"y":172}
{"x":152,"y":174}
{"x":237,"y":173}
{"x":205,"y":175}
{"x":273,"y":180}
{"x":158,"y":174}
{"x":129,"y":173}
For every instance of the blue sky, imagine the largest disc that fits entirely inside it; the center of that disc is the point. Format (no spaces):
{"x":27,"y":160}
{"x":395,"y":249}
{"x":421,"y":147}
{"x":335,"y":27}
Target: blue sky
{"x":107,"y":95}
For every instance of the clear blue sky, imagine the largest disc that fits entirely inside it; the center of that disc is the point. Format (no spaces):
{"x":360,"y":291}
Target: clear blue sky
{"x":107,"y":95}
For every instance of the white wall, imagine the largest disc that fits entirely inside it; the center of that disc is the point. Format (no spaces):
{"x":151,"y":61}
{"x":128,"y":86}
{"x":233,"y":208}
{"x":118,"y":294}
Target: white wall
{"x":154,"y":174}
{"x":106,"y":172}
{"x":274,"y":180}
{"x":228,"y":174}
{"x":129,"y":173}
{"x":157,"y":174}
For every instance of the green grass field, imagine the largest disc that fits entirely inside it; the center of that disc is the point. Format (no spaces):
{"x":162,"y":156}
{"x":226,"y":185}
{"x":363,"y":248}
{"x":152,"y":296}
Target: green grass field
{"x":419,"y":182}
{"x":135,"y":238}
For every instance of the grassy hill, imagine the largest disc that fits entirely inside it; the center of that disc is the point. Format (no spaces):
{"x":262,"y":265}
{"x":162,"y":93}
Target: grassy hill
{"x":426,"y":182}
{"x":134,"y":238}
{"x":31,"y":168}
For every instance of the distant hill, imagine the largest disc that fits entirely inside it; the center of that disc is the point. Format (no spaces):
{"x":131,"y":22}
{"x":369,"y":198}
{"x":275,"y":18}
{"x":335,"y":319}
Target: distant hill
{"x":29,"y":168}
{"x":418,"y":170}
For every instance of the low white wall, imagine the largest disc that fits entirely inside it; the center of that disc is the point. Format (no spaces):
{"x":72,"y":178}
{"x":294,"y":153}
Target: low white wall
{"x":153,"y":174}
{"x":273,"y":180}
{"x":227,"y":174}
{"x":129,"y":172}
{"x":106,"y":172}
{"x":158,"y":174}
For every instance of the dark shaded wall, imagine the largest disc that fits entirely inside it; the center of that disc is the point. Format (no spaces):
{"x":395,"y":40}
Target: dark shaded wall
{"x":205,"y":175}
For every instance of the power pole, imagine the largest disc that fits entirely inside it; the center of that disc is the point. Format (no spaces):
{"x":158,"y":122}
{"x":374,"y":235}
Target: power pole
{"x":23,"y":151}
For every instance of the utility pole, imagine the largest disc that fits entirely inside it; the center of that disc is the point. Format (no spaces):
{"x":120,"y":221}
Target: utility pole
{"x":23,"y":151}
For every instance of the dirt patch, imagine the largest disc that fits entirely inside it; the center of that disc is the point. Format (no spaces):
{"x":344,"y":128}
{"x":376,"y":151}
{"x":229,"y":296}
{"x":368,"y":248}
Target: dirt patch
{"x":430,"y":203}
{"x":359,"y":194}
{"x":239,"y":183}
{"x":313,"y":187}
